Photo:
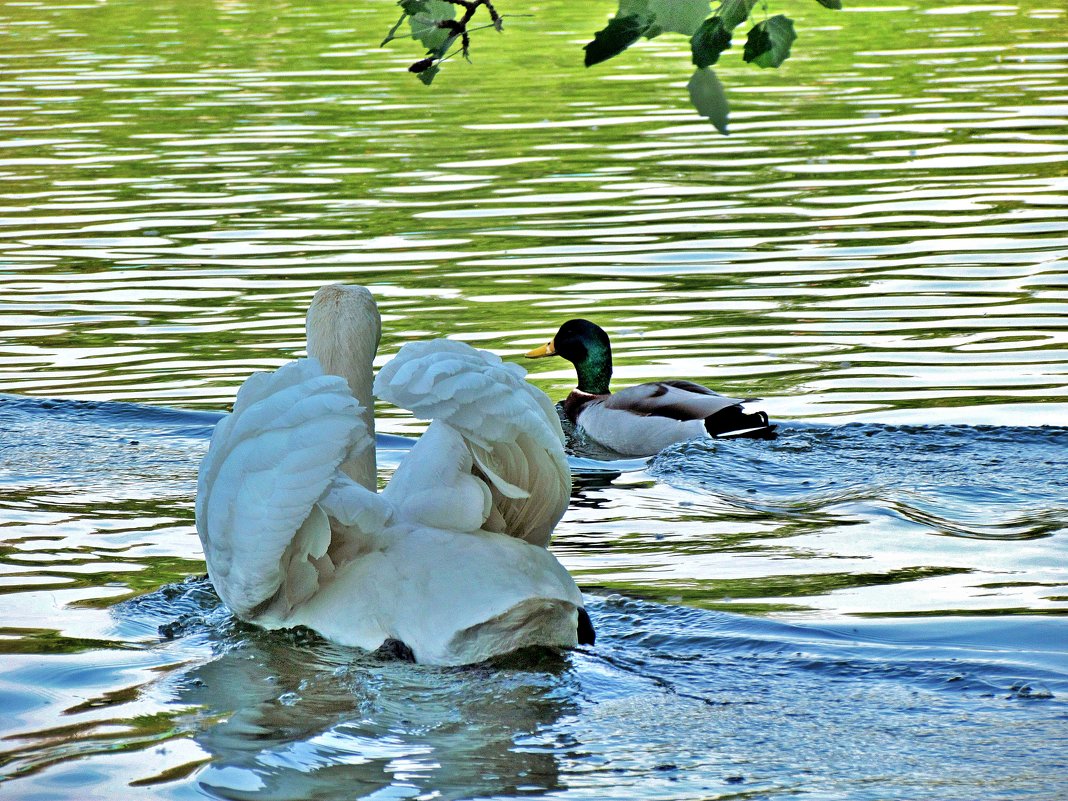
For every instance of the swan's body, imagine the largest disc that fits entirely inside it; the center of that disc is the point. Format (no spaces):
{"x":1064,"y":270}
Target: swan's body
{"x":450,"y":558}
{"x":644,"y":419}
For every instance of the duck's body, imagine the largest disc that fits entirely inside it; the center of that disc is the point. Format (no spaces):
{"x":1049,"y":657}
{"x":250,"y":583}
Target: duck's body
{"x":644,"y":419}
{"x":450,"y":558}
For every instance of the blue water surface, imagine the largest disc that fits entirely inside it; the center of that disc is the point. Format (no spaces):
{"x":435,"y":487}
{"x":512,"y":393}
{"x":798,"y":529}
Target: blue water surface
{"x":674,"y":701}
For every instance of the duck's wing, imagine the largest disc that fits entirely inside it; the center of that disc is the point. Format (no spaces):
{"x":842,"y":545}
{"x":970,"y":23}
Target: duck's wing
{"x":270,"y":483}
{"x":494,"y":450}
{"x":677,"y":400}
{"x":687,"y":402}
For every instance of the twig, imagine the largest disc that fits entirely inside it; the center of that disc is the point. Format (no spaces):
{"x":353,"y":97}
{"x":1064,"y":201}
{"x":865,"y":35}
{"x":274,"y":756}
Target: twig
{"x":458,"y":30}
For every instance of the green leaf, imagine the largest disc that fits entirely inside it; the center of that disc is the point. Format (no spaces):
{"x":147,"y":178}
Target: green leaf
{"x":714,"y":35}
{"x":393,"y":31}
{"x":634,"y":7}
{"x":708,"y":98}
{"x":427,"y":75}
{"x":620,"y":34}
{"x":711,"y":39}
{"x":769,"y":42}
{"x":413,"y":7}
{"x":680,"y":16}
{"x":734,"y":12}
{"x":835,"y":4}
{"x":425,"y":25}
{"x":640,"y":8}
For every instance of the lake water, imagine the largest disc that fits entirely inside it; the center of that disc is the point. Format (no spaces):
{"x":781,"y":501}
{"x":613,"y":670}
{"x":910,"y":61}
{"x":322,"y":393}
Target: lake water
{"x":871,"y":607}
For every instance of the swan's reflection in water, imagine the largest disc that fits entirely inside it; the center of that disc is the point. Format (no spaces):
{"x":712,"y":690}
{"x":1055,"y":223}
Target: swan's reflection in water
{"x":299,"y":718}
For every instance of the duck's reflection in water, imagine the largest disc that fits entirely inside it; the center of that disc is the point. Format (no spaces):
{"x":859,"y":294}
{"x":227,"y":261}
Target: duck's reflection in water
{"x":299,"y":718}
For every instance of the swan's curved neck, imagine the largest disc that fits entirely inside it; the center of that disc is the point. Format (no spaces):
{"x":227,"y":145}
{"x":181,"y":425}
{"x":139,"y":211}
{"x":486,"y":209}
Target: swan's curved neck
{"x":343,"y":332}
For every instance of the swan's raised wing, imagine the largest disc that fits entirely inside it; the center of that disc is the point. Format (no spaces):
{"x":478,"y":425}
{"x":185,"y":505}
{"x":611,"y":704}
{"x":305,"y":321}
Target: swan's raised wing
{"x":267,"y":483}
{"x":501,"y":458}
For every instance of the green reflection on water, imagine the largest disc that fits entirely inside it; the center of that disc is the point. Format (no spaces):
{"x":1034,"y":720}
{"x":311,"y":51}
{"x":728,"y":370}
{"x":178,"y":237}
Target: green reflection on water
{"x":213,"y":163}
{"x":50,"y":747}
{"x":19,"y":640}
{"x":719,"y":593}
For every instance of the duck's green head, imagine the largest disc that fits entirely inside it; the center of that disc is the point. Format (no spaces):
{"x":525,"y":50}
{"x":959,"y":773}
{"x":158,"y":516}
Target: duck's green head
{"x":585,"y":345}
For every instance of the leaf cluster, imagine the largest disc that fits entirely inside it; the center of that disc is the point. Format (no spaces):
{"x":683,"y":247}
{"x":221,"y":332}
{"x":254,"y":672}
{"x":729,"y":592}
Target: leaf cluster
{"x":767,"y":44}
{"x":435,"y":24}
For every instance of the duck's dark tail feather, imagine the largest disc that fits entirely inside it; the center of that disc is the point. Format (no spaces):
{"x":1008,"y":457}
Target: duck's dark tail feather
{"x":734,"y":423}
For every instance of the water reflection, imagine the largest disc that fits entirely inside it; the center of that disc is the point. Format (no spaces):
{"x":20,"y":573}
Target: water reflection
{"x":286,"y":714}
{"x":876,"y":211}
{"x":303,"y":724}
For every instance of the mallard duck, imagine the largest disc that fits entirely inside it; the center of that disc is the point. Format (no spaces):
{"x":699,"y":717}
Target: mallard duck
{"x":644,"y":419}
{"x":448,"y":565}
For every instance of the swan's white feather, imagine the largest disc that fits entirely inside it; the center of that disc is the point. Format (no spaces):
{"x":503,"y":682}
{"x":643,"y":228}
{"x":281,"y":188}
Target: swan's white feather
{"x":453,"y":597}
{"x":510,"y":429}
{"x":268,"y":464}
{"x":485,"y":398}
{"x":434,"y":485}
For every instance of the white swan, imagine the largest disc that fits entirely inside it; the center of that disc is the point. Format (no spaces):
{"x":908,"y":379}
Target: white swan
{"x":450,"y":559}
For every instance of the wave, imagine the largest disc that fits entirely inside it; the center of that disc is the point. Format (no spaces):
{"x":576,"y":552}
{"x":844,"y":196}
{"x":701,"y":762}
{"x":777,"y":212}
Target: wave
{"x":984,"y":482}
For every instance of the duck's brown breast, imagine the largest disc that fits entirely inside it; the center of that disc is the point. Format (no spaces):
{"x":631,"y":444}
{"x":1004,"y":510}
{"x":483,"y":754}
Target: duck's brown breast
{"x":577,"y":401}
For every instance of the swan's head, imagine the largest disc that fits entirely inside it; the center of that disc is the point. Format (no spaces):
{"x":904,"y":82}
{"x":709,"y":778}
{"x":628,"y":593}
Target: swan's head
{"x":343,"y":332}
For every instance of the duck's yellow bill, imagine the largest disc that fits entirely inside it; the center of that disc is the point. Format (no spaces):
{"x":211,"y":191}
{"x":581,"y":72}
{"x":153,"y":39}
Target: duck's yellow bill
{"x":549,"y":349}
